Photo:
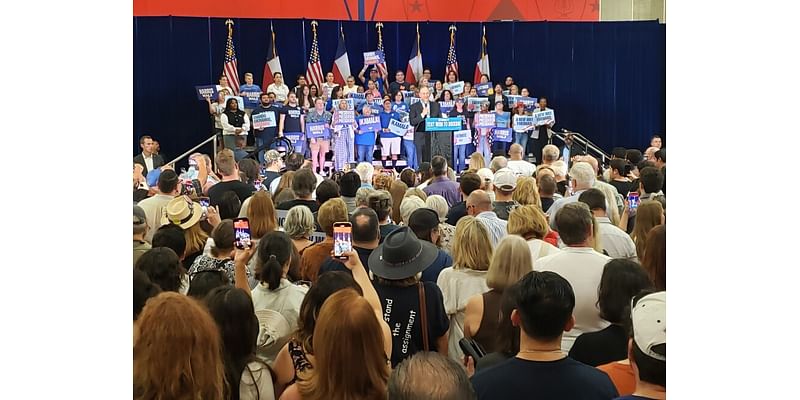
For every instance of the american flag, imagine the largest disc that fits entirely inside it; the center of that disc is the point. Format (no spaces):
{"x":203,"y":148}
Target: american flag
{"x":231,"y":70}
{"x":452,"y":63}
{"x":382,"y":66}
{"x":314,"y":70}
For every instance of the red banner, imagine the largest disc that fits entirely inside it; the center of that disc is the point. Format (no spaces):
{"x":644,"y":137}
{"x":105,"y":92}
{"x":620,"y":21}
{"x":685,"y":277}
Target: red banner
{"x":377,"y":10}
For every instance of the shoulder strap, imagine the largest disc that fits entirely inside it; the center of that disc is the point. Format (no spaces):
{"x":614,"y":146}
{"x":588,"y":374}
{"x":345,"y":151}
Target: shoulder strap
{"x":423,"y":310}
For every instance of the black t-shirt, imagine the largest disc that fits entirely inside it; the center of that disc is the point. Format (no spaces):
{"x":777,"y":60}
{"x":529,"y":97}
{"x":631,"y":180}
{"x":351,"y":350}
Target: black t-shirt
{"x":457,"y":211}
{"x":401,"y":311}
{"x":311,"y":204}
{"x":562,"y":187}
{"x":622,"y":187}
{"x":546,"y":203}
{"x":331,"y":264}
{"x":241,"y":189}
{"x":269,"y":176}
{"x":526,"y":380}
{"x":291,"y":122}
{"x":386,"y":230}
{"x":601,"y":347}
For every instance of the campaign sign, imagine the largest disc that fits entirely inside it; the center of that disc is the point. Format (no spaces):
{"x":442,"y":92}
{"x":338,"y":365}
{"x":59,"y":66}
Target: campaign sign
{"x":476,"y":102}
{"x":403,"y":115}
{"x":369,"y":124}
{"x":446,"y":106}
{"x":442,"y":124}
{"x":251,"y":99}
{"x":358,"y":99}
{"x":346,"y":117}
{"x":523,"y":123}
{"x":398,"y":128}
{"x":529,"y":102}
{"x":206,"y":91}
{"x":407,"y":93}
{"x":373,"y":57}
{"x":456,"y":87}
{"x":502,"y":135}
{"x":297,"y":139}
{"x":264,"y":119}
{"x":411,"y":100}
{"x":484,"y":89}
{"x":462,"y":137}
{"x":544,"y":117}
{"x":502,"y":120}
{"x":337,"y":103}
{"x":484,"y":120}
{"x":506,"y":92}
{"x":239,"y":100}
{"x":318,"y":130}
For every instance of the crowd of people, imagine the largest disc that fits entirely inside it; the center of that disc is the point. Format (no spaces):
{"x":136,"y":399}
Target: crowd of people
{"x":357,"y":118}
{"x":510,"y":280}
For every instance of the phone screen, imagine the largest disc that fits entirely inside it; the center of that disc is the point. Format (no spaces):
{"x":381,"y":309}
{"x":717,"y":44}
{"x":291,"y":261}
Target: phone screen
{"x":633,"y":200}
{"x":342,"y":238}
{"x":204,"y":204}
{"x":241,"y":230}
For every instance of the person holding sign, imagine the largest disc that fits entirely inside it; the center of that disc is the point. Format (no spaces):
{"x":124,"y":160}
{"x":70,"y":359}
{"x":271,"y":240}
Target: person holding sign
{"x":390,"y":143}
{"x":344,"y":125}
{"x":460,"y":154}
{"x":498,"y":97}
{"x":483,"y":134}
{"x":368,"y":124}
{"x":425,"y":108}
{"x":502,"y":120}
{"x":521,"y":131}
{"x":399,"y":104}
{"x":265,"y":132}
{"x":373,"y":76}
{"x":292,"y":121}
{"x":249,"y":92}
{"x":319,"y":145}
{"x":216,"y":109}
{"x":337,"y":93}
{"x":234,"y":123}
{"x":540,"y":135}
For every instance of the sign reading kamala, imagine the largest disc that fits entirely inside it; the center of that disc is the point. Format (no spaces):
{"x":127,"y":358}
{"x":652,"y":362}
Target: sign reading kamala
{"x":373,"y":57}
{"x":484,"y":120}
{"x":318,"y":130}
{"x":544,"y":117}
{"x":502,"y":135}
{"x":206,"y":92}
{"x":446,"y":106}
{"x":455,"y":87}
{"x":346,"y":117}
{"x":369,"y":124}
{"x":523,"y":123}
{"x":462,"y":137}
{"x":264,"y":119}
{"x":484,"y":89}
{"x":397,"y":127}
{"x":442,"y":124}
{"x":358,"y":99}
{"x":297,"y":139}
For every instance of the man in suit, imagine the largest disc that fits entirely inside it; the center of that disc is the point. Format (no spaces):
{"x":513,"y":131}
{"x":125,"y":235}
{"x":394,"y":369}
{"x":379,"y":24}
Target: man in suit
{"x":420,"y":110}
{"x":570,"y":149}
{"x":148,"y":159}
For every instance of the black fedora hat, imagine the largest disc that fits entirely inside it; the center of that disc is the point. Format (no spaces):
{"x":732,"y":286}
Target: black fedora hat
{"x":402,"y":255}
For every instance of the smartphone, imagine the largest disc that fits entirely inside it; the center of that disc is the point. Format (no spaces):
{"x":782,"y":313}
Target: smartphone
{"x":633,"y":200}
{"x":257,"y":184}
{"x":198,"y":188}
{"x":342,"y":239}
{"x":241,"y":230}
{"x":471,"y":348}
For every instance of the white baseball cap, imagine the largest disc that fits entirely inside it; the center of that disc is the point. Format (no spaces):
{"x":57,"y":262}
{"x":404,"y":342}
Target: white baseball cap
{"x":505,"y":179}
{"x":649,"y":317}
{"x":486,"y":174}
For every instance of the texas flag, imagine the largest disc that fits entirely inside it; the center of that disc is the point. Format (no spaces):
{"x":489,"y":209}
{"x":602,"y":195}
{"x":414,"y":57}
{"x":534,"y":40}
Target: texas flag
{"x":273,"y":64}
{"x":341,"y":65}
{"x":482,"y":66}
{"x":414,"y":69}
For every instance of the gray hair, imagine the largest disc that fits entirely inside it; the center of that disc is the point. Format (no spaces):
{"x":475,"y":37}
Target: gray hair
{"x":365,"y":171}
{"x":429,"y":376}
{"x":439,"y":204}
{"x":362,"y":196}
{"x":583,"y":174}
{"x":550,"y":153}
{"x":559,"y":168}
{"x":498,"y":163}
{"x":408,"y":206}
{"x":299,"y":222}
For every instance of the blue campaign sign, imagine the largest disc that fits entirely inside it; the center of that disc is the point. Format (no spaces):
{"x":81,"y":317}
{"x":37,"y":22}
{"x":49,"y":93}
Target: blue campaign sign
{"x":442,"y":124}
{"x":484,"y":89}
{"x":446,"y":106}
{"x":502,"y":135}
{"x":407,"y":93}
{"x":358,"y":99}
{"x":529,"y":102}
{"x":370,"y":123}
{"x":398,"y":128}
{"x":297,"y":139}
{"x":251,"y":99}
{"x":476,"y":102}
{"x":462,"y":137}
{"x":411,"y":100}
{"x":206,"y":91}
{"x":502,"y":120}
{"x":373,"y":57}
{"x":318,"y":130}
{"x":456,"y":87}
{"x":522,"y":123}
{"x":544,"y":117}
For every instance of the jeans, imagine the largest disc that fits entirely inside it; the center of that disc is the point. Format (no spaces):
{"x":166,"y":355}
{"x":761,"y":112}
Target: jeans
{"x":263,"y":138}
{"x":460,"y":158}
{"x":365,"y":152}
{"x":499,"y":148}
{"x":411,"y":153}
{"x":522,"y":140}
{"x":229,"y":141}
{"x":483,"y":148}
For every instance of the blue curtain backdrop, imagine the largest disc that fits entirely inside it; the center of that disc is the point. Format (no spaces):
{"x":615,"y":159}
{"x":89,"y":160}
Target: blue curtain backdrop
{"x":604,"y":79}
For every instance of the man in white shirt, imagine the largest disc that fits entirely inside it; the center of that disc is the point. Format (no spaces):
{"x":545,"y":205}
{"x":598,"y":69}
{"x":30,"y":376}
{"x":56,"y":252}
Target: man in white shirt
{"x":168,"y":188}
{"x":480,"y":206}
{"x":579,"y":264}
{"x":615,"y":242}
{"x":148,"y":159}
{"x":278,"y":87}
{"x":517,"y":164}
{"x":350,"y":87}
{"x":582,"y":178}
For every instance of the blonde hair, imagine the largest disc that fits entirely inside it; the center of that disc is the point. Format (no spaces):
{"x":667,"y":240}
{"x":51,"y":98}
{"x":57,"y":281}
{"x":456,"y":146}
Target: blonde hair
{"x":261,"y":213}
{"x":226,"y":164}
{"x":559,"y":168}
{"x":415,"y":191}
{"x":398,"y":191}
{"x":648,"y":216}
{"x":439,"y":204}
{"x":382,"y":182}
{"x":195,"y":237}
{"x":512,"y":260}
{"x":471,"y":245}
{"x":333,"y":210}
{"x":476,"y":161}
{"x":527,"y":192}
{"x":529,"y":222}
{"x":299,"y":222}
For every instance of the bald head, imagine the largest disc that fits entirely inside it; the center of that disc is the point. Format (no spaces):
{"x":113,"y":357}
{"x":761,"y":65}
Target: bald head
{"x":477,"y":202}
{"x":429,"y":376}
{"x":515,"y":152}
{"x":424,"y":93}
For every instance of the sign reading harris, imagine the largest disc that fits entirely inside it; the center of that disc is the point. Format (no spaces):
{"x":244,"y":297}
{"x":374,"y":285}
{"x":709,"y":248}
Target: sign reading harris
{"x":462,"y":137}
{"x":251,"y":99}
{"x":523,"y":123}
{"x":502,"y":135}
{"x":297,"y":139}
{"x":318,"y":130}
{"x":484,"y":89}
{"x":346,"y":117}
{"x":206,"y":92}
{"x":442,"y":124}
{"x":373,"y":57}
{"x":544,"y":117}
{"x":369,"y":124}
{"x":484,"y":120}
{"x":456,"y":87}
{"x":398,"y":128}
{"x":264,"y":120}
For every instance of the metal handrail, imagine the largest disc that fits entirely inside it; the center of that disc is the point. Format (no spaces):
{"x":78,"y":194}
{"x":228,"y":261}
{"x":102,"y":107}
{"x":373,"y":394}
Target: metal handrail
{"x":585,"y":143}
{"x":192,"y":150}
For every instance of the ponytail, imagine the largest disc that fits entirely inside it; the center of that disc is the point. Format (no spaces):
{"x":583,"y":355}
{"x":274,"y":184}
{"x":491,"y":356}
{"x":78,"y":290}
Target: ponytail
{"x":272,"y":272}
{"x":274,"y":251}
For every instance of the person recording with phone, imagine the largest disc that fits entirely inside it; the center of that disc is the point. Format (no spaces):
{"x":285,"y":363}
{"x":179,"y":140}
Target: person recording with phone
{"x":424,"y":108}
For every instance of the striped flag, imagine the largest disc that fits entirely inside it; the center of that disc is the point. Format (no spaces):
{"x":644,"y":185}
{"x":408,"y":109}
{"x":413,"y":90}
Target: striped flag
{"x":273,"y":64}
{"x":414,"y":69}
{"x":314,"y":70}
{"x":452,"y":62}
{"x":231,"y":70}
{"x":382,"y":70}
{"x":341,"y":65}
{"x":482,"y":67}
